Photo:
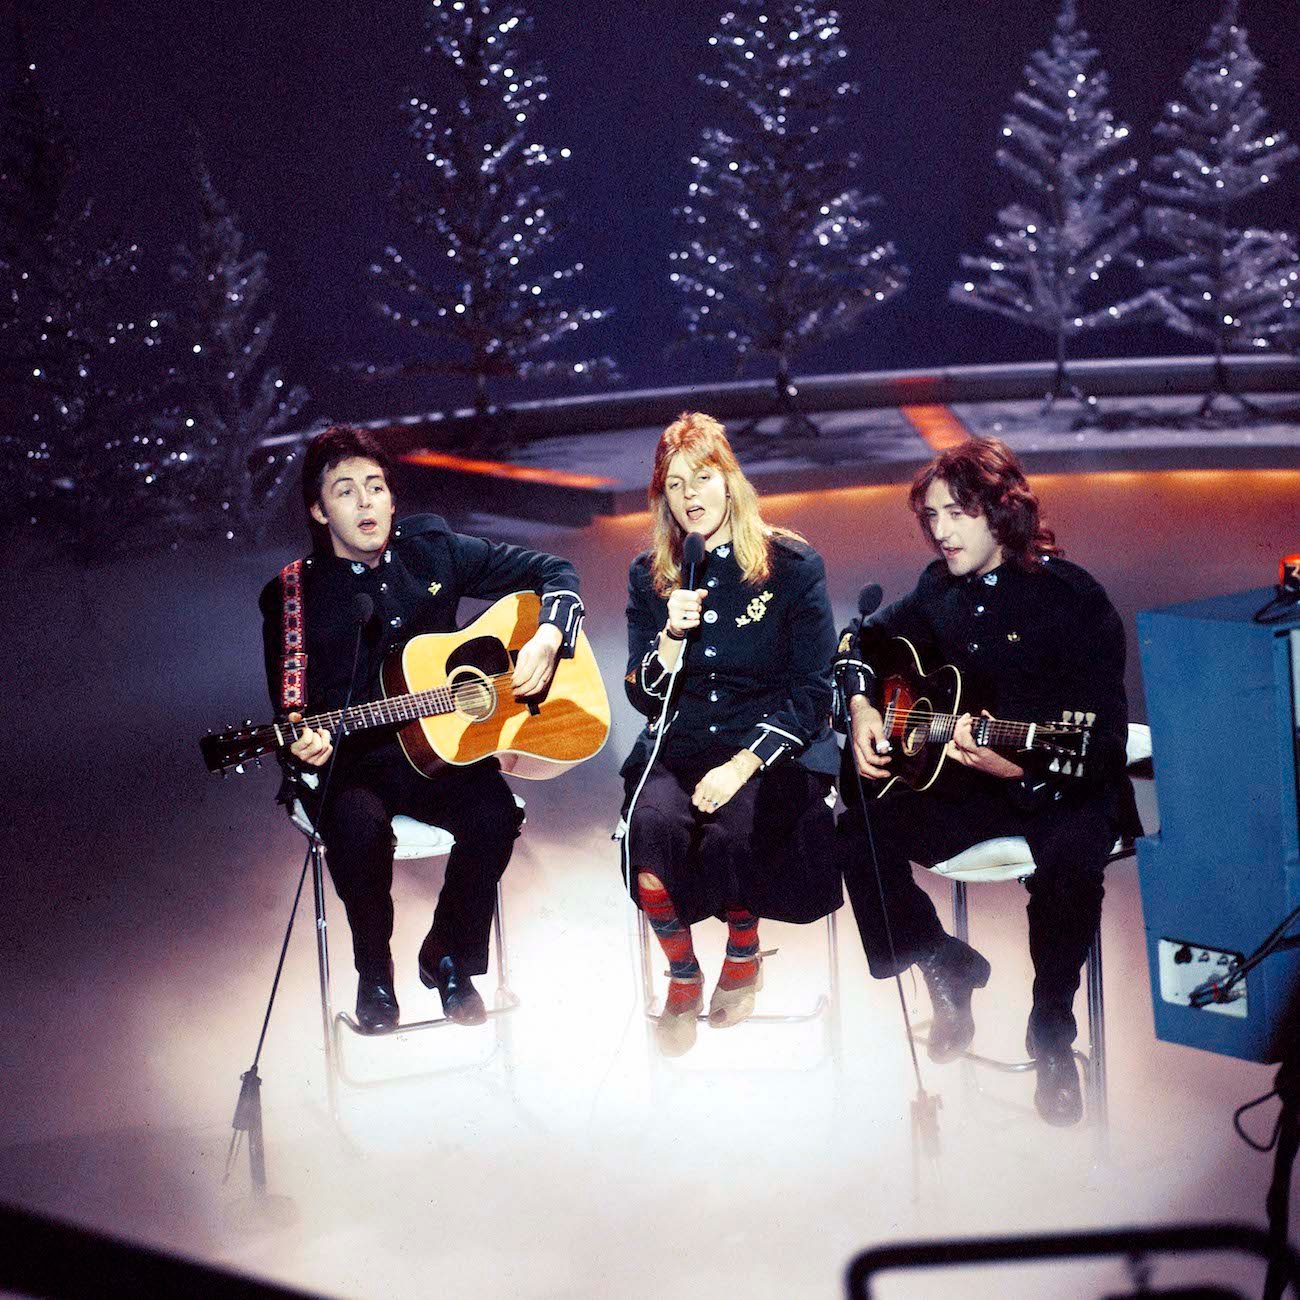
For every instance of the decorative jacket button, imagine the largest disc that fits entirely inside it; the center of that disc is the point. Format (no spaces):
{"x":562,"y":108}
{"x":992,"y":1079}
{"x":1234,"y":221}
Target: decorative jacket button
{"x":979,"y":609}
{"x":713,"y":726}
{"x":710,"y":615}
{"x":973,"y":646}
{"x":710,"y":652}
{"x":712,"y":582}
{"x":713,"y":697}
{"x":395,"y":622}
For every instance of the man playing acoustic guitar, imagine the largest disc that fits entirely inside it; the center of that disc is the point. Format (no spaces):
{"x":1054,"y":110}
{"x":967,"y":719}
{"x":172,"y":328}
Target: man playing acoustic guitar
{"x":387,"y":584}
{"x":1031,"y":635}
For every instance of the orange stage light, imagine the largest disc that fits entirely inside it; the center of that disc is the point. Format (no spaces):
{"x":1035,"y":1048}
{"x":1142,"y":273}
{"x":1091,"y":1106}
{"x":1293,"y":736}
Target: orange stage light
{"x":937,"y":424}
{"x":500,"y":469}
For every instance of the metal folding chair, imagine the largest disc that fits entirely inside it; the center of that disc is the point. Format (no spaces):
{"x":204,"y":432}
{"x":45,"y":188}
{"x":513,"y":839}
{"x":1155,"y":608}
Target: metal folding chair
{"x":1008,"y":858}
{"x":413,"y":840}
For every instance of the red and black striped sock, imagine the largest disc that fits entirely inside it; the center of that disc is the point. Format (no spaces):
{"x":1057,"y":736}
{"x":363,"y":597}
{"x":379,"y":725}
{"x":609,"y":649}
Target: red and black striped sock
{"x":741,"y":966}
{"x":674,"y":937}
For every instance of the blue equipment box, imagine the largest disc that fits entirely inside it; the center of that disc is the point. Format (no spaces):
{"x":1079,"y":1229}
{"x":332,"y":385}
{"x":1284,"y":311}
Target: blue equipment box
{"x":1223,"y":701}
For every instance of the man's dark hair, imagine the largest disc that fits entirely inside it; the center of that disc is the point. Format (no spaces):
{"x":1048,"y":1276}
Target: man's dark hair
{"x":337,"y":443}
{"x":985,"y":478}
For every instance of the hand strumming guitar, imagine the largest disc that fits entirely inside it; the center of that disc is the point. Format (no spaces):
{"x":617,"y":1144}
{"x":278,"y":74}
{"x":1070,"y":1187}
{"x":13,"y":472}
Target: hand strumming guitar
{"x":867,"y":735}
{"x":535,"y":663}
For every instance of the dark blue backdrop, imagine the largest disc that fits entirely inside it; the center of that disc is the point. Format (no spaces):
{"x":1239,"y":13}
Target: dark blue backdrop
{"x":297,"y":103}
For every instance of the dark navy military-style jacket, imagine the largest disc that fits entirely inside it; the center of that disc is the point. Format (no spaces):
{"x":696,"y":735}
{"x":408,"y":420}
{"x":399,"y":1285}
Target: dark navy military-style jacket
{"x":757,"y":675}
{"x":1029,"y":643}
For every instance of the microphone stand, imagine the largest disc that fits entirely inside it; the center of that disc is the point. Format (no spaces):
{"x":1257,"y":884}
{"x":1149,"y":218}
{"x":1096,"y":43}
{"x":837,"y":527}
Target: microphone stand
{"x":925,"y":1106}
{"x":248,"y":1109}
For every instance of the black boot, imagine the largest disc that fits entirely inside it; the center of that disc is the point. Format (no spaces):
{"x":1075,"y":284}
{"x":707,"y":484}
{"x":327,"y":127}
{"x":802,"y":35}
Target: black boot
{"x":460,"y":999}
{"x":953,"y":971}
{"x":377,"y":1010}
{"x":1057,"y":1096}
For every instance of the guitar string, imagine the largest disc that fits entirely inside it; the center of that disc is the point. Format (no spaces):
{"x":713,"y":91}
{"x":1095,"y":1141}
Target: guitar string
{"x":456,"y":693}
{"x":930,"y":715}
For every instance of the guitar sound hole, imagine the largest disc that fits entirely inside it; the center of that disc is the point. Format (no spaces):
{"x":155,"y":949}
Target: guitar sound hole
{"x":914,"y":739}
{"x":474,"y":695}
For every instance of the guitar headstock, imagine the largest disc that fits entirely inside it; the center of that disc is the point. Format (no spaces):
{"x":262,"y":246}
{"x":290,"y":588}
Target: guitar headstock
{"x":229,"y":751}
{"x":1067,"y":741}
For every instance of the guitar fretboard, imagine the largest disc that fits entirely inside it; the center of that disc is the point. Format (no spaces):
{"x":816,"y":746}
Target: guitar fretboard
{"x":939,"y":728}
{"x":378,"y":713}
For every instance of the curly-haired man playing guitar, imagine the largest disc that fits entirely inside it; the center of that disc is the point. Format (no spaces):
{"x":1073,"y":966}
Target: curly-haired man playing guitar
{"x":1032,"y":635}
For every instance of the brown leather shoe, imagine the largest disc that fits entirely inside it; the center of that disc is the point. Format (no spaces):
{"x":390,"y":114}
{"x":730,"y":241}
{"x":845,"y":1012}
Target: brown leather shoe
{"x":952,"y":971}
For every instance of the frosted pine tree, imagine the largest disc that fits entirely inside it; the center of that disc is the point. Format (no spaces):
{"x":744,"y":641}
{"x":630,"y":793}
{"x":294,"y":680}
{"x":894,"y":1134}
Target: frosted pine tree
{"x":74,"y":368}
{"x":475,"y":286}
{"x":1220,"y":153}
{"x":776,"y":252}
{"x":226,"y":400}
{"x":1260,"y":286}
{"x":1060,"y":142}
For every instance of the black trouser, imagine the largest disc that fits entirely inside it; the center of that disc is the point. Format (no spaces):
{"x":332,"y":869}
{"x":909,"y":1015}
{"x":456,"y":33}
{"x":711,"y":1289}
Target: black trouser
{"x":473,"y":803}
{"x":1070,"y":843}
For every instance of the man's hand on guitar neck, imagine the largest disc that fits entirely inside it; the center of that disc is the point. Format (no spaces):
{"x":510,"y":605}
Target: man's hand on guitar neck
{"x":963,"y":749}
{"x":312,"y":747}
{"x":867,"y":735}
{"x":535,"y":663}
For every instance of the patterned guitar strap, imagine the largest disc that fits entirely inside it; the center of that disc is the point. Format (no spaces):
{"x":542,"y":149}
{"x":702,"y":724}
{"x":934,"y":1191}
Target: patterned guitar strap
{"x":293,"y":664}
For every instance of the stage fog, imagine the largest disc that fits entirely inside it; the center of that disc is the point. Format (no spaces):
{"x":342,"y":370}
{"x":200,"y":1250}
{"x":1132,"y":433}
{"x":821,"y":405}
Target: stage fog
{"x":146,"y":901}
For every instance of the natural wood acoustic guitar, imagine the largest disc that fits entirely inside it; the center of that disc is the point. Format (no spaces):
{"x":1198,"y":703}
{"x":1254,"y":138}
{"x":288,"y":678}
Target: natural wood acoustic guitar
{"x":448,"y":695}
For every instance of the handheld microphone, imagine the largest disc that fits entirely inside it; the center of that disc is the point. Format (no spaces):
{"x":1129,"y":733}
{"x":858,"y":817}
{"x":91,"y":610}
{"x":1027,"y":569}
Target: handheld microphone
{"x":692,"y":556}
{"x":869,"y":599}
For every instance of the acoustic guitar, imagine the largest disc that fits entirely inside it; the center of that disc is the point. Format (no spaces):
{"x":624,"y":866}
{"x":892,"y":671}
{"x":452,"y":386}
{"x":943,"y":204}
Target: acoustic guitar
{"x":921,"y":710}
{"x":448,"y":695}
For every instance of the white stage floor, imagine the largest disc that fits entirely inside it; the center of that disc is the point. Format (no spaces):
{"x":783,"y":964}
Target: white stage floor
{"x":147,"y":901}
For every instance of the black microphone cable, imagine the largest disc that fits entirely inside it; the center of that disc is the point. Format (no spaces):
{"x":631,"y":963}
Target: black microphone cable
{"x":693,"y":558}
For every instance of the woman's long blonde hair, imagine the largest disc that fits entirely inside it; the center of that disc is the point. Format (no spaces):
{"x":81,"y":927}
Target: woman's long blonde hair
{"x":703,"y":441}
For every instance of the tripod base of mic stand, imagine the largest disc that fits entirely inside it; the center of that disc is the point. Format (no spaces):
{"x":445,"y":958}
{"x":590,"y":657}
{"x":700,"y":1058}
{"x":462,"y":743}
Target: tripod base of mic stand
{"x":260,"y":1212}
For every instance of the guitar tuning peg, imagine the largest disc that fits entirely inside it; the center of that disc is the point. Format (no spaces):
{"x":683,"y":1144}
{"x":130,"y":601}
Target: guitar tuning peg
{"x":239,"y":767}
{"x":1090,"y":718}
{"x":1065,"y":715}
{"x":1067,"y":768}
{"x":257,"y":762}
{"x":1054,"y":765}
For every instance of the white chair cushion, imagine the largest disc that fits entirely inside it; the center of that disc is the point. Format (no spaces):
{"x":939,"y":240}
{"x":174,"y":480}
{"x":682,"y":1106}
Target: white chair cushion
{"x":412,"y":839}
{"x":1007,"y":857}
{"x":1139,"y":743}
{"x":419,"y":840}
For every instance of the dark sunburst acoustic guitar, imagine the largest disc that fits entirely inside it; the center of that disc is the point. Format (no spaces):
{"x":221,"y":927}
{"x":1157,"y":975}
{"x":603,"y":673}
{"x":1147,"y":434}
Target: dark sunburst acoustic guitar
{"x":921,"y":711}
{"x":448,"y":695}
